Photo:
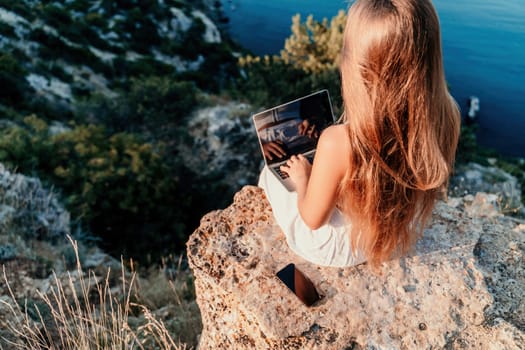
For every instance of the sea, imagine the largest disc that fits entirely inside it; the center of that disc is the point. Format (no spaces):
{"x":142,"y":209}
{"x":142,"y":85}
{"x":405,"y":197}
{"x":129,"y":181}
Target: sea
{"x":483,"y":49}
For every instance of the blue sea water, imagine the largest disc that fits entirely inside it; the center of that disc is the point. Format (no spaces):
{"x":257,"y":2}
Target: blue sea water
{"x":483,"y":49}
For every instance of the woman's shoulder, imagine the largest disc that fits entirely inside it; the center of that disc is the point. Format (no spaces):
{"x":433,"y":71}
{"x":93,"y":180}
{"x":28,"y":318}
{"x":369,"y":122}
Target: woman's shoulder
{"x":333,"y":149}
{"x":335,"y":137}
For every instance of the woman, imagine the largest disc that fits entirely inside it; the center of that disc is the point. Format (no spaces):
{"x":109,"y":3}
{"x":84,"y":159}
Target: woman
{"x":376,"y":176}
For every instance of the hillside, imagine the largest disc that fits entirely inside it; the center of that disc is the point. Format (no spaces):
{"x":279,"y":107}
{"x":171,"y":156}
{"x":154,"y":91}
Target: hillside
{"x":64,"y":51}
{"x":122,"y":122}
{"x":96,"y":101}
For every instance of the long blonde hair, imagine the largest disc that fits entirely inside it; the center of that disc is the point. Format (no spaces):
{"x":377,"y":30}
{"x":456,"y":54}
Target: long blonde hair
{"x":403,"y":125}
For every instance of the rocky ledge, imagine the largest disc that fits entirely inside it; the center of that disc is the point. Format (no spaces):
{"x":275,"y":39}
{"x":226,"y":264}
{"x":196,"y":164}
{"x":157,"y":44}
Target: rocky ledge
{"x":462,"y":287}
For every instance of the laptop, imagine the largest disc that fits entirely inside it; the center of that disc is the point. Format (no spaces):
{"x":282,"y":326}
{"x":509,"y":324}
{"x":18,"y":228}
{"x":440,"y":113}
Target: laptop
{"x":292,"y":128}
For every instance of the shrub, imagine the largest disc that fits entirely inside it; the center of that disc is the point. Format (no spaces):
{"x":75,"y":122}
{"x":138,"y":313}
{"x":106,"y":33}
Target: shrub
{"x":53,"y":47}
{"x":12,"y":80}
{"x":19,"y":7}
{"x":142,"y":30}
{"x":79,"y":5}
{"x":315,"y":46}
{"x":142,"y":67}
{"x":52,"y":69}
{"x":56,"y":16}
{"x":269,"y":81}
{"x":219,"y":64}
{"x":117,"y":184}
{"x":95,"y":19}
{"x":308,"y":62}
{"x":159,"y":100}
{"x":7,"y":30}
{"x":191,"y":44}
{"x":150,"y":102}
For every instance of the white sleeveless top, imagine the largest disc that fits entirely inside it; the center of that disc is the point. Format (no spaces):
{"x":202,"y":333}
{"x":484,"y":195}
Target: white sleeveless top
{"x":329,"y":245}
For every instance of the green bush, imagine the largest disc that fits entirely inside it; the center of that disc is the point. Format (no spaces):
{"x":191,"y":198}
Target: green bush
{"x":159,"y":100}
{"x":9,"y":113}
{"x":95,"y":19}
{"x":270,"y":81}
{"x":191,"y":44}
{"x":315,"y":46}
{"x":56,"y":16}
{"x":7,"y":30}
{"x":308,"y":62}
{"x":142,"y":67}
{"x":151,"y":104}
{"x":53,"y":47}
{"x":119,"y":186}
{"x":141,"y":29}
{"x":12,"y":81}
{"x":79,"y":5}
{"x":16,"y":93}
{"x":19,"y":7}
{"x":468,"y":145}
{"x":219,"y":63}
{"x":53,"y":69}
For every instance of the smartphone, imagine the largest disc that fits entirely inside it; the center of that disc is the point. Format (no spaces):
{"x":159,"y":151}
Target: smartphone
{"x":299,"y":284}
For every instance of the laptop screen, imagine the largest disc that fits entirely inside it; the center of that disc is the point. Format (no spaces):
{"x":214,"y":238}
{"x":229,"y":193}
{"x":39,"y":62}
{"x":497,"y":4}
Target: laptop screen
{"x":293,"y":127}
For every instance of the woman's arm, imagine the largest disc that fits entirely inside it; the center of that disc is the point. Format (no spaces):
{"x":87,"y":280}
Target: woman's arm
{"x":317,"y":184}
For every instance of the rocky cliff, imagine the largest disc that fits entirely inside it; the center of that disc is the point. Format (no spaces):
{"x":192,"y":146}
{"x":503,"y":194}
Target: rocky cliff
{"x":461,"y":287}
{"x":69,"y":49}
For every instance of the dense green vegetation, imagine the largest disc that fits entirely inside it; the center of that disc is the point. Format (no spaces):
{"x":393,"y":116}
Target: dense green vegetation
{"x":12,"y":80}
{"x":149,"y":103}
{"x":116,"y":183}
{"x":115,"y":161}
{"x":308,"y":62}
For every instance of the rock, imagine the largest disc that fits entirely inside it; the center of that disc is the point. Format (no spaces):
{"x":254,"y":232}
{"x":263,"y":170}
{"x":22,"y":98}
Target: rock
{"x":472,"y":178}
{"x":211,"y":34}
{"x":178,"y":63}
{"x":180,"y":22}
{"x":7,"y":252}
{"x":224,"y":144}
{"x":30,"y":210}
{"x":462,"y":286}
{"x":53,"y":87}
{"x":75,"y":66}
{"x":482,"y":204}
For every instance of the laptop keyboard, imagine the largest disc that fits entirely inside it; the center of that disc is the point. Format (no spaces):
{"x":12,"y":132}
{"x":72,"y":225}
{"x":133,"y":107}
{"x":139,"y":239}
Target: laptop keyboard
{"x":282,"y":174}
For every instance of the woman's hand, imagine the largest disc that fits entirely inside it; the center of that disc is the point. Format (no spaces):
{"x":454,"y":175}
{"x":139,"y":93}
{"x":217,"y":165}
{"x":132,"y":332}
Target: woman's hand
{"x":299,"y":169}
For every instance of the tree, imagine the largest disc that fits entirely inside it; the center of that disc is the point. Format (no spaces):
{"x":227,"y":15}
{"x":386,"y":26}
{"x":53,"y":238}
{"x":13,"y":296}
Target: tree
{"x":308,"y":62}
{"x":315,"y":46}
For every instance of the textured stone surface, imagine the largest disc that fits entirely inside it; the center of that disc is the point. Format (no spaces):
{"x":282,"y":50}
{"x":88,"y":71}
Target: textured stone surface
{"x":30,"y":210}
{"x":472,"y":178}
{"x":462,"y":287}
{"x":223,"y":142}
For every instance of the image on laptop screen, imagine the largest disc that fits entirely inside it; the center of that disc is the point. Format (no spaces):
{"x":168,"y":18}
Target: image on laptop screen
{"x":294,"y":127}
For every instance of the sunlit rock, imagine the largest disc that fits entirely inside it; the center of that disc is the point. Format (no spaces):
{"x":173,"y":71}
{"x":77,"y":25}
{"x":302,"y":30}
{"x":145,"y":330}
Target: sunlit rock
{"x":462,"y":286}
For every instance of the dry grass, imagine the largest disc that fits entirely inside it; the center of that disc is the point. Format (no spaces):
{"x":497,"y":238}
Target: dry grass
{"x":170,"y":292}
{"x":84,"y":311}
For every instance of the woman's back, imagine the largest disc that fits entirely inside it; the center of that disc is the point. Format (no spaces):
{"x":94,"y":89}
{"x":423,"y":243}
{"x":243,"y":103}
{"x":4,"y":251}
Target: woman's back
{"x":391,"y":159}
{"x":403,"y":124}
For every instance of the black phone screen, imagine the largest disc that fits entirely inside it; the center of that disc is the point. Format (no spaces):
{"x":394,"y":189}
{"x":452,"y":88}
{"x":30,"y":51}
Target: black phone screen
{"x":298,"y":283}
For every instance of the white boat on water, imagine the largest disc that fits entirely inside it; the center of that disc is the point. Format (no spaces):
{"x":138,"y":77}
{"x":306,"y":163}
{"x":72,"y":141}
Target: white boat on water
{"x":473,"y":107}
